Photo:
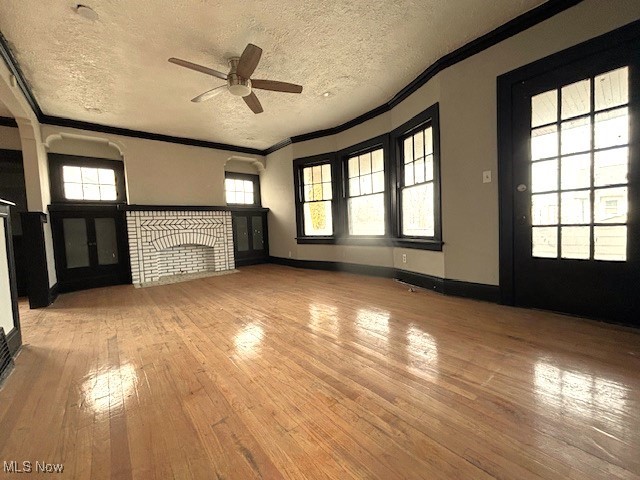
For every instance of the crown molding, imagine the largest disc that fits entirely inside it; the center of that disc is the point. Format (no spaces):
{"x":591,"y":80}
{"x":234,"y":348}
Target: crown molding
{"x":513,"y":27}
{"x":95,"y":127}
{"x":8,"y":122}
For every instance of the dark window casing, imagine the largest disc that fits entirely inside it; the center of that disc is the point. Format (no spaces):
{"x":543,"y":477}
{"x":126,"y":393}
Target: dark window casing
{"x":257,"y":202}
{"x":428,"y":118}
{"x":391,"y":144}
{"x":57,"y":161}
{"x":380,"y":142}
{"x":298,"y":181}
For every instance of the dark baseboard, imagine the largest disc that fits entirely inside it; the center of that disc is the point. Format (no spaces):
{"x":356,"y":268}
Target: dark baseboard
{"x":421,"y":280}
{"x":54,"y":291}
{"x":14,"y":341}
{"x":245,"y":262}
{"x":457,"y":288}
{"x":477,"y":291}
{"x":370,"y":270}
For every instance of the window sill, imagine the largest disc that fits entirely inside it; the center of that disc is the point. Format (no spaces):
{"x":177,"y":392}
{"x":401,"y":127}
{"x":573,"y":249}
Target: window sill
{"x":374,"y":242}
{"x":417,"y":243}
{"x":316,"y":240}
{"x":364,"y":241}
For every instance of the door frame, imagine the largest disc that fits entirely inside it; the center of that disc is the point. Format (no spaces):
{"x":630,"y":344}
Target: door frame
{"x":507,"y":148}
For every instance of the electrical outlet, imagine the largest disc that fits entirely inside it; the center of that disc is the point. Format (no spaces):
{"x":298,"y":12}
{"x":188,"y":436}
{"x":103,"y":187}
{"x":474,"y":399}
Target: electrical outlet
{"x":486,"y":176}
{"x":289,"y":253}
{"x":404,"y":258}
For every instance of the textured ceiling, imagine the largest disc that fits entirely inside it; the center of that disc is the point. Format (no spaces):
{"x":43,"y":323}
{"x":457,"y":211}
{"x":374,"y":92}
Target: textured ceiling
{"x":114,"y":70}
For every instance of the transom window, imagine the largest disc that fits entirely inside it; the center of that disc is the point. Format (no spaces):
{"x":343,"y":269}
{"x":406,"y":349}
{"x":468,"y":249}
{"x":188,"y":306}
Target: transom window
{"x":417,"y":191}
{"x":242,"y":189}
{"x":317,"y":200}
{"x":85,"y":183}
{"x":579,"y":167}
{"x":366,"y":186}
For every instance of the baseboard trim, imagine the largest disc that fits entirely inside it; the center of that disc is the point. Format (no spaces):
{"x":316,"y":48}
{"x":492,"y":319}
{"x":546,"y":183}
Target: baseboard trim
{"x":477,"y":291}
{"x":428,"y":282}
{"x":370,"y":270}
{"x":14,"y":341}
{"x":457,"y":288}
{"x":54,"y":291}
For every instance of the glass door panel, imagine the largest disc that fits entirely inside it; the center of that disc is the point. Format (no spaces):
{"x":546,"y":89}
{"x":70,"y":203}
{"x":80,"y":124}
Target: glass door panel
{"x":593,"y":118}
{"x":258,"y":240}
{"x":76,"y":243}
{"x":242,"y":233}
{"x":106,"y":241}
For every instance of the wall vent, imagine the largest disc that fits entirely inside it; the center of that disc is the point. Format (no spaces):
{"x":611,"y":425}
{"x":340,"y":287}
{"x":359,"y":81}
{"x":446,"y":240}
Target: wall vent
{"x":6,"y":361}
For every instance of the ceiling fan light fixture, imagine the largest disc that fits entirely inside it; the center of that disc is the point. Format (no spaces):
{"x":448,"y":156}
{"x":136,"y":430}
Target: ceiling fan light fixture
{"x":240,"y":90}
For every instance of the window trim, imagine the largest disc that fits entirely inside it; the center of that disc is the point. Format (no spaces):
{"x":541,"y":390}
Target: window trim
{"x":255,"y":178}
{"x":336,"y":192}
{"x":429,"y":117}
{"x":339,"y":180}
{"x":56,"y":180}
{"x":376,"y":143}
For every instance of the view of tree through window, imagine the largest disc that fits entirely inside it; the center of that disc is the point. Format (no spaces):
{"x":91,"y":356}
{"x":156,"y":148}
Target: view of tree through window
{"x":83,"y":183}
{"x":318,"y":219}
{"x":417,"y":195}
{"x":365,"y":206}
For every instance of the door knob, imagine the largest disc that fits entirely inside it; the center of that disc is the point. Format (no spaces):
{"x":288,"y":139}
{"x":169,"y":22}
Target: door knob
{"x":521,"y":188}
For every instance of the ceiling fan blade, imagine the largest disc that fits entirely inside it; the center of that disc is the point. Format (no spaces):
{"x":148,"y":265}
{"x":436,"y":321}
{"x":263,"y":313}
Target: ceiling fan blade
{"x":249,"y":60}
{"x":208,"y":95}
{"x":198,"y":68}
{"x":253,"y":103}
{"x":276,"y":86}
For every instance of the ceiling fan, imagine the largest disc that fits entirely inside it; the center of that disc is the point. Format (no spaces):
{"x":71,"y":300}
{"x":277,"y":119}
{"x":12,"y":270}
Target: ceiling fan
{"x":239,"y":82}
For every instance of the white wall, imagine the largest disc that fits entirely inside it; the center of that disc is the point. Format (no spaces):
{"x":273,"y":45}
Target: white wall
{"x":157,"y":173}
{"x":9,"y":138}
{"x":467,"y":96}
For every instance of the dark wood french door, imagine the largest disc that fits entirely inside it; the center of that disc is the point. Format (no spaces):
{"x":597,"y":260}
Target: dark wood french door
{"x":90,"y":248}
{"x":250,"y":237}
{"x":576,"y":187}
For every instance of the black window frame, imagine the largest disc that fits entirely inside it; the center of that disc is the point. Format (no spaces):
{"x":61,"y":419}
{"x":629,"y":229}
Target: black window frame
{"x":393,"y":164}
{"x":257,"y":199}
{"x":428,"y":118}
{"x":376,"y":143}
{"x":298,"y":181}
{"x":56,"y":180}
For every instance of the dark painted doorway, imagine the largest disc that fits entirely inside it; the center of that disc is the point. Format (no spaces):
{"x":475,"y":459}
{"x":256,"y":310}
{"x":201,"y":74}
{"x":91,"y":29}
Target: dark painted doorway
{"x":12,"y":188}
{"x":574,"y":185}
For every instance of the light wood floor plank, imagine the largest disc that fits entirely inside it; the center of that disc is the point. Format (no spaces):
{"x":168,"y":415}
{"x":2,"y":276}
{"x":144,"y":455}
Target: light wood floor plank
{"x":284,"y":373}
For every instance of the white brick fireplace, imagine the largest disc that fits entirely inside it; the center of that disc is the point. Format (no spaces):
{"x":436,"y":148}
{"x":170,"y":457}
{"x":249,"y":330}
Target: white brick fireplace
{"x":168,"y":243}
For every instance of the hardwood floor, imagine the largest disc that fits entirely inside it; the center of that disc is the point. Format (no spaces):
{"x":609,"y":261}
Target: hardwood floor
{"x":277,"y":372}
